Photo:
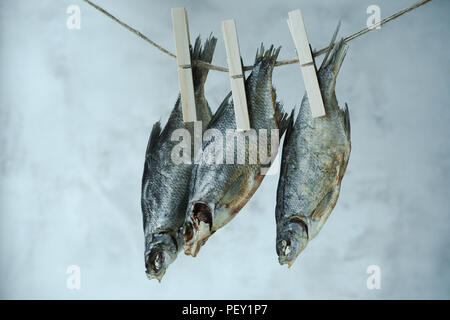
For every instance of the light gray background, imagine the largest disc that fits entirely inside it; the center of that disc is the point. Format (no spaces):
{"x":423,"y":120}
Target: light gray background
{"x":77,"y":107}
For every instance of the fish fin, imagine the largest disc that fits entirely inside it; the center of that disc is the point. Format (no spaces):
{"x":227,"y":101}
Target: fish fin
{"x":326,"y":204}
{"x":336,"y":53}
{"x":234,"y":189}
{"x":335,"y":56}
{"x":346,"y":122}
{"x":224,"y":106}
{"x":331,"y":45}
{"x":151,"y":146}
{"x":204,"y":53}
{"x":259,"y":52}
{"x":269,"y":55}
{"x":153,"y":140}
{"x":289,"y":125}
{"x":280,"y":114}
{"x":283,"y":118}
{"x":346,"y":119}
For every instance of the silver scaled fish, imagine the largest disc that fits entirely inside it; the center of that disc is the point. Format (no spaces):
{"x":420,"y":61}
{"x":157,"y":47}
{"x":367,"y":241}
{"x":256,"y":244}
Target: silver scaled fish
{"x":219,"y":190}
{"x":165,"y":185}
{"x":314,"y":159}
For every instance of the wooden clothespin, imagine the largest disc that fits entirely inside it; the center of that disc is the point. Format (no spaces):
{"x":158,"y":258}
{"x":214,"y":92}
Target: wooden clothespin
{"x":298,"y":32}
{"x":182,"y":43}
{"x":236,"y":74}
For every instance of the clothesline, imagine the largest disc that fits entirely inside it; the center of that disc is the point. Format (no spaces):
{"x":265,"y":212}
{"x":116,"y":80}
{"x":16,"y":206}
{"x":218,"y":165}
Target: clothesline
{"x":246,"y":68}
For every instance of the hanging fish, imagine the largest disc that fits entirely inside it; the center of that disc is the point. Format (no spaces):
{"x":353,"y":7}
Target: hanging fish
{"x":219,"y":190}
{"x":314,"y":159}
{"x":165,"y":184}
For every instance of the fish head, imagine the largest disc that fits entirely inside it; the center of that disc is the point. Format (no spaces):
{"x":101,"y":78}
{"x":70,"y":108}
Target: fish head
{"x":292,"y":238}
{"x":198,"y":226}
{"x":161,"y":250}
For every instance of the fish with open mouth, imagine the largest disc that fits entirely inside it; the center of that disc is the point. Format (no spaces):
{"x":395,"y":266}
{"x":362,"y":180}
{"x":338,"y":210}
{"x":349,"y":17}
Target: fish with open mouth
{"x":165,"y":184}
{"x":314,"y":159}
{"x":219,"y":190}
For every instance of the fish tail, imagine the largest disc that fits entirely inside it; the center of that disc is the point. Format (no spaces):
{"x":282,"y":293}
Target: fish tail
{"x":269,"y":56}
{"x":330,"y":46}
{"x":338,"y":55}
{"x":335,"y":54}
{"x":203,"y":53}
{"x":331,"y":64}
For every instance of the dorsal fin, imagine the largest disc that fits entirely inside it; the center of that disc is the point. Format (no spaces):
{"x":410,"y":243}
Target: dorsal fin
{"x":282,"y":116}
{"x":224,"y":106}
{"x":289,"y":125}
{"x":153,"y":140}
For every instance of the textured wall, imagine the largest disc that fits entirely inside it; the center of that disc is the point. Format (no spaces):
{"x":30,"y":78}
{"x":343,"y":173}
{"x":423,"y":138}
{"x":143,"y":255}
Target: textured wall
{"x":76,"y":108}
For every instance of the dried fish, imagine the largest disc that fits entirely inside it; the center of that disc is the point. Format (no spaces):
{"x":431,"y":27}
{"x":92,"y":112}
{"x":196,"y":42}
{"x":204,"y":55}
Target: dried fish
{"x":218,"y":191}
{"x":165,"y":184}
{"x":314,"y":159}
